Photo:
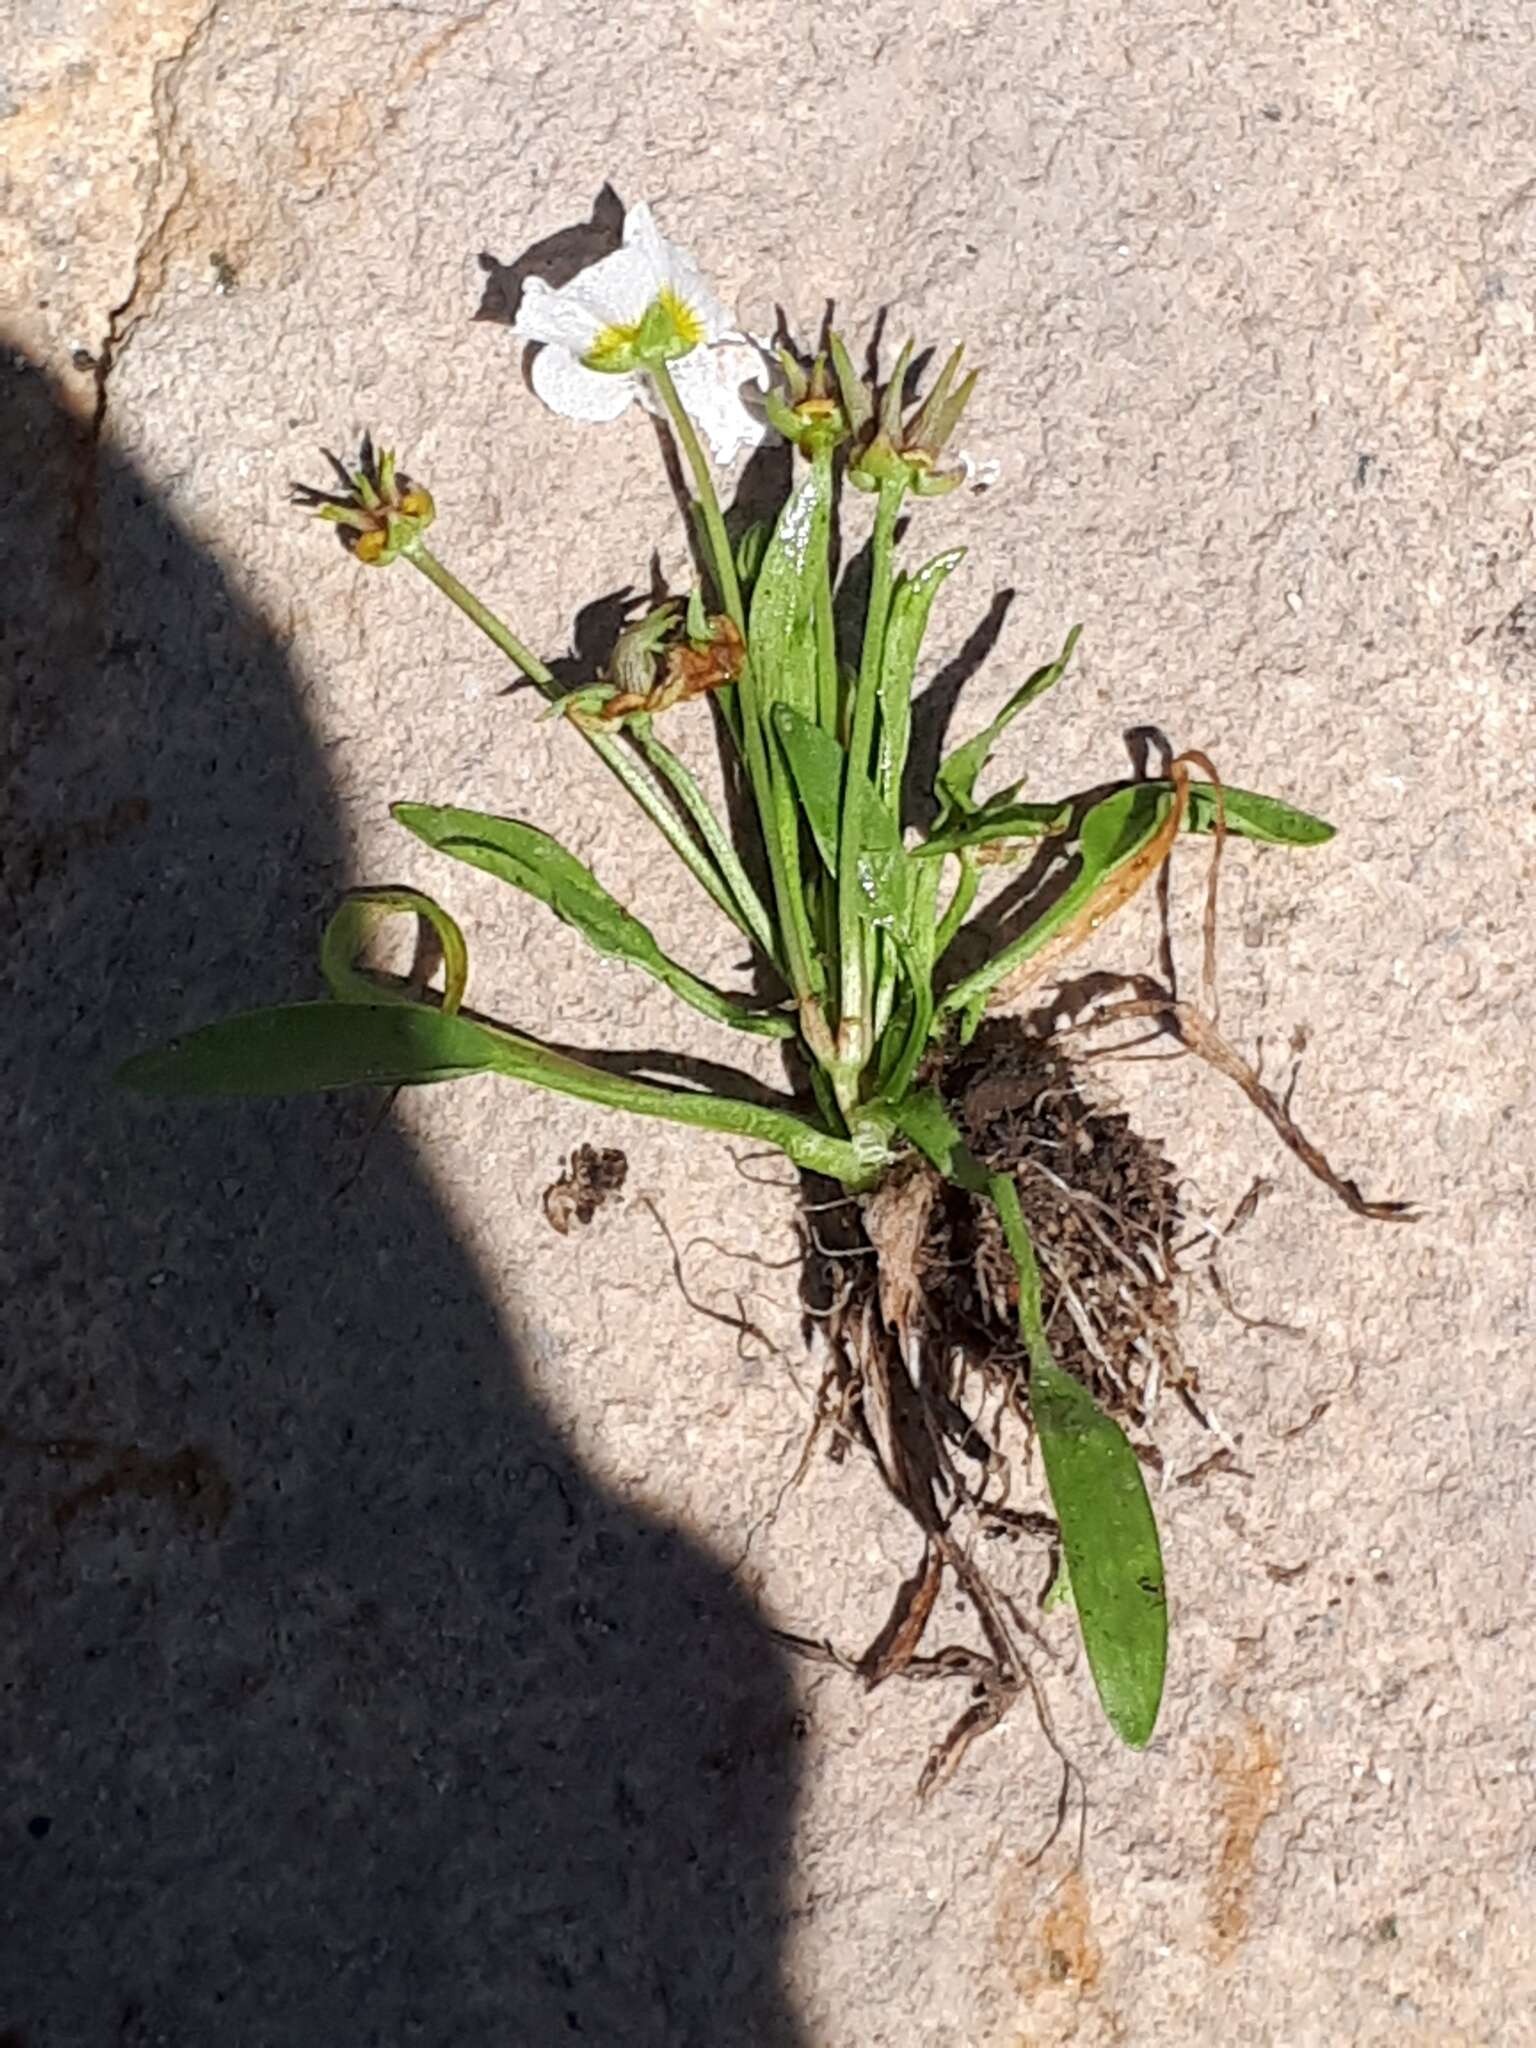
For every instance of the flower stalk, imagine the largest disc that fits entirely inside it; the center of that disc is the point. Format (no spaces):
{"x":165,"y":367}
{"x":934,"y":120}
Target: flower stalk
{"x":716,"y":866}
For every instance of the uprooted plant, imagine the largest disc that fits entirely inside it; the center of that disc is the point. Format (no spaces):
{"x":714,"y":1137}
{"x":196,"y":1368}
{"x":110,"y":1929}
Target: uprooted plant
{"x":855,"y":922}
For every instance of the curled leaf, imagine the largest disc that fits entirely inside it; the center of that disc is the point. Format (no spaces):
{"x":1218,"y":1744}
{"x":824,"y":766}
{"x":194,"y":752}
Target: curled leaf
{"x":355,"y":921}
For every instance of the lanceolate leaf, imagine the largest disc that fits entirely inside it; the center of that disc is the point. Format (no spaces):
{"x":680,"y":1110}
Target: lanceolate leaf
{"x":1109,"y":1538}
{"x":911,"y":602}
{"x":1252,"y":816}
{"x":305,"y":1048}
{"x":530,"y":860}
{"x":781,"y":636}
{"x":1108,"y":1530}
{"x":308,"y":1048}
{"x":817,"y":764}
{"x":955,"y":783}
{"x":1249,"y":815}
{"x":820,"y":767}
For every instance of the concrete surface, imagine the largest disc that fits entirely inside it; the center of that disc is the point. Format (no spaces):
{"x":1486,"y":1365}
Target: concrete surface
{"x":382,"y":1657}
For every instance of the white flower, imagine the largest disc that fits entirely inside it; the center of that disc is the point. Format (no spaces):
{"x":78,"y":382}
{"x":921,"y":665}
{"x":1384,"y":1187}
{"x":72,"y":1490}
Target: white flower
{"x":645,"y":301}
{"x":980,"y":472}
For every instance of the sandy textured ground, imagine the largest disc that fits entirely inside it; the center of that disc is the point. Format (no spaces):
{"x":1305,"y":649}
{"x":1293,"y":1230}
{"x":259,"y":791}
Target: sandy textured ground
{"x":385,"y":1575}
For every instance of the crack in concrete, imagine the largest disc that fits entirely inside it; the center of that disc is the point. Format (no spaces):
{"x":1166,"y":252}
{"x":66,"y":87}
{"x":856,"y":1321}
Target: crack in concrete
{"x":150,"y":254}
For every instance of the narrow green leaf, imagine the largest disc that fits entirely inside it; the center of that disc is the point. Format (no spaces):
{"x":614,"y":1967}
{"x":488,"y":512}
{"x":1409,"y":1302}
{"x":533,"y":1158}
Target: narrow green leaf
{"x":955,"y":783}
{"x":1248,"y":816}
{"x":537,"y":864}
{"x":1110,"y":1542}
{"x":907,"y":622}
{"x":1112,"y":833}
{"x":303,"y":1048}
{"x":1109,"y":1537}
{"x":881,"y":864}
{"x":817,"y":765}
{"x":781,"y":635}
{"x":308,"y":1048}
{"x":1252,"y":816}
{"x":819,"y":768}
{"x":355,"y":920}
{"x":532,"y":861}
{"x":994,"y":821}
{"x":1108,"y":1530}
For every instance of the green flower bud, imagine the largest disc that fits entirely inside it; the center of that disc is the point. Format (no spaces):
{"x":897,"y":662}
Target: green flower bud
{"x":892,"y":449}
{"x":813,"y":419}
{"x":381,"y":515}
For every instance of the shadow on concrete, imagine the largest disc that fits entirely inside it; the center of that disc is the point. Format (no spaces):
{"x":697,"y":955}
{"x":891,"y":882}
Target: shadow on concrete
{"x":339,"y":1705}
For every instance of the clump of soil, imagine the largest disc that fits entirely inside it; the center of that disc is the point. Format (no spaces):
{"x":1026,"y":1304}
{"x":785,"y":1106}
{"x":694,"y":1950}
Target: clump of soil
{"x":592,"y":1176}
{"x":929,"y":1374}
{"x":1102,"y":1207}
{"x":936,"y":1307}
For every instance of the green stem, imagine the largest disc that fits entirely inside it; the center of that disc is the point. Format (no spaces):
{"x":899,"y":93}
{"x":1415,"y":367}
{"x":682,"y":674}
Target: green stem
{"x":854,"y":1024}
{"x":636,"y":778}
{"x":958,"y":908}
{"x":816,"y":1150}
{"x":493,"y":629}
{"x":828,"y":709}
{"x":709,"y":503}
{"x":780,"y":821}
{"x":776,"y":808}
{"x":753,"y":917}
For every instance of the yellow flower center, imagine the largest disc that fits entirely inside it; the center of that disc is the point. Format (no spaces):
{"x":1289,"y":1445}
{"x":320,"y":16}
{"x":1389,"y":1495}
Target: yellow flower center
{"x":686,"y":324}
{"x":668,"y":328}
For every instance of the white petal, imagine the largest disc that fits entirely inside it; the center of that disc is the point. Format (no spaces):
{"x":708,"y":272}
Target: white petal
{"x":569,"y":388}
{"x":671,"y":265}
{"x":687,"y":281}
{"x":709,"y":382}
{"x":612,"y":293}
{"x":619,"y":288}
{"x":643,"y":236}
{"x":543,"y":314}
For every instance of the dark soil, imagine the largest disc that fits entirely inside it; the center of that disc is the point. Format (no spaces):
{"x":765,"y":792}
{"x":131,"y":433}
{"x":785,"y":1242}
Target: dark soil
{"x":592,"y":1176}
{"x":916,"y":1286}
{"x":1102,"y":1207}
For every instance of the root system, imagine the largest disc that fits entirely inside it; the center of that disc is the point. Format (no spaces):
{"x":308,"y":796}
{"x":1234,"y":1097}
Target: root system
{"x":928,"y":1374}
